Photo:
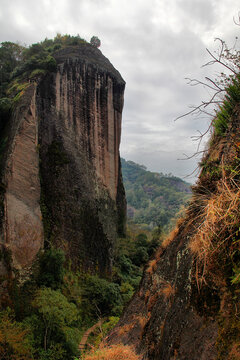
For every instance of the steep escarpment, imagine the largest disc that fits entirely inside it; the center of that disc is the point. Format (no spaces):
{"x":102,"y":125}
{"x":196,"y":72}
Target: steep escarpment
{"x":61,"y":173}
{"x":22,"y":231}
{"x":79,"y":135}
{"x":187,"y":305}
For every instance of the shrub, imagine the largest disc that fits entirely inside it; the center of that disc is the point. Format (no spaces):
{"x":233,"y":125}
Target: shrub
{"x":228,"y":107}
{"x":140,"y":257}
{"x":101,"y":295}
{"x":95,"y":41}
{"x":51,"y":268}
{"x":14,"y":341}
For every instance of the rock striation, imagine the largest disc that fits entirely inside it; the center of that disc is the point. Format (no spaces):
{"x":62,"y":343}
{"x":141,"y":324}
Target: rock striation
{"x":62,"y":174}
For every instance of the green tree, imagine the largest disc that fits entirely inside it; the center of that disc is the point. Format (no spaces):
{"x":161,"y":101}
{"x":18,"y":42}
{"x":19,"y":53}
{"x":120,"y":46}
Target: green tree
{"x":140,"y":257}
{"x":101,"y":294}
{"x":95,"y":41}
{"x":10,"y":57}
{"x":55,"y":311}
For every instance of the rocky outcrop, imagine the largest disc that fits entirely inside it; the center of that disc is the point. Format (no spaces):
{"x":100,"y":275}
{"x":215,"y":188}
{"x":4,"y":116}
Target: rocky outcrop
{"x":161,"y":322}
{"x":188,"y":303}
{"x":62,"y":175}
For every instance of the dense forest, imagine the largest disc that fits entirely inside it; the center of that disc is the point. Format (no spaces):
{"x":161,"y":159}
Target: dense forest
{"x":154,"y":199}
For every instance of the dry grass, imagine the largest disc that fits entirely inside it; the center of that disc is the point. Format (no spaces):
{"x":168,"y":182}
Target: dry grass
{"x":141,"y":320}
{"x":173,"y":233}
{"x":147,"y":294}
{"x":152,"y":301}
{"x":114,"y":352}
{"x":168,"y":291}
{"x":217,"y":223}
{"x":152,"y":266}
{"x":125,"y":329}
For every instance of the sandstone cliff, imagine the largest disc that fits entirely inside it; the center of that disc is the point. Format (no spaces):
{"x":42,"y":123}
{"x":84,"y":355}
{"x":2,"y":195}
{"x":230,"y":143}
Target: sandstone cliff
{"x":187,"y":305}
{"x":61,"y":174}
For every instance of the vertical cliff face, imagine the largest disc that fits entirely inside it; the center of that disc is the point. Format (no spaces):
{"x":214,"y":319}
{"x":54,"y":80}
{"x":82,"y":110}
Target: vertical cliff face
{"x":22,"y":232}
{"x":62,"y":175}
{"x":79,"y":114}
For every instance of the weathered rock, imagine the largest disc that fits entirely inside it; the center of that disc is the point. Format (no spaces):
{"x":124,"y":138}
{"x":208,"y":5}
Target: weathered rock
{"x":63,"y":158}
{"x":186,"y":307}
{"x":22,"y":226}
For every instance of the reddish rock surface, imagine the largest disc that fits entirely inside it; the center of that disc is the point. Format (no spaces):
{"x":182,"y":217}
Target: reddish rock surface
{"x":62,"y":174}
{"x":187,"y":307}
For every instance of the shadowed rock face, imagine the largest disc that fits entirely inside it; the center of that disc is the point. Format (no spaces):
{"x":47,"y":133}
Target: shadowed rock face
{"x":161,"y":322}
{"x":186,"y":307}
{"x":62,"y":179}
{"x":23,"y":229}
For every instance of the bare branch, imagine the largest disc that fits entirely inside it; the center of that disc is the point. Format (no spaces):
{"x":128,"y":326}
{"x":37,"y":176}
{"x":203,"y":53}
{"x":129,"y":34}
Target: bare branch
{"x":218,"y":60}
{"x":192,"y":156}
{"x":237,"y":22}
{"x":214,"y":83}
{"x":195,"y":82}
{"x":229,"y":59}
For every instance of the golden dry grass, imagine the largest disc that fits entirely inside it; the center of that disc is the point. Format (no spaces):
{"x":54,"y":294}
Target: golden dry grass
{"x":114,"y":352}
{"x":152,"y":301}
{"x":173,"y":233}
{"x":141,"y":320}
{"x":170,"y":238}
{"x":168,"y":290}
{"x":217,"y":223}
{"x":125,"y":329}
{"x":152,"y":266}
{"x":147,"y":294}
{"x":221,"y":213}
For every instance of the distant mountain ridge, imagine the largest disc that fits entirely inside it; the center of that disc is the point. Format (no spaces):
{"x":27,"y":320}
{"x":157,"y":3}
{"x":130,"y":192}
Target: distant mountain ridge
{"x":153,"y":198}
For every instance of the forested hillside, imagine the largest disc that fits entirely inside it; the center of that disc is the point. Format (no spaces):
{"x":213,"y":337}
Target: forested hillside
{"x":154,"y":199}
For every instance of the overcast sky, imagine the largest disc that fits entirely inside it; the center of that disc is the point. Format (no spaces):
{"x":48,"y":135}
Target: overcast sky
{"x":155,"y":45}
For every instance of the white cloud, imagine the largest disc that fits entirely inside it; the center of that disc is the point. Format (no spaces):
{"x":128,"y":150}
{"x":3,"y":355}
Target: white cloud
{"x":154,"y":44}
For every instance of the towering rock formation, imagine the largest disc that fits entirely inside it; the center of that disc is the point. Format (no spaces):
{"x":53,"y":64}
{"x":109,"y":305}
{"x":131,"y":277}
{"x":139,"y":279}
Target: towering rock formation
{"x":61,"y":174}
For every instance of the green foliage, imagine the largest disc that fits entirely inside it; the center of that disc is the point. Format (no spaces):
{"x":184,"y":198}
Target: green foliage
{"x":54,"y":308}
{"x":141,"y":256}
{"x":10,"y":57}
{"x":15,"y":342}
{"x":18,"y":64}
{"x":37,"y":72}
{"x":235,"y":279}
{"x":95,"y":41}
{"x":100,"y":296}
{"x":51,"y":270}
{"x":54,"y":352}
{"x":102,"y":331}
{"x":227,"y":109}
{"x":56,"y":313}
{"x":153,"y":199}
{"x":236,"y":276}
{"x":127,"y":291}
{"x":5,"y":111}
{"x":71,"y":288}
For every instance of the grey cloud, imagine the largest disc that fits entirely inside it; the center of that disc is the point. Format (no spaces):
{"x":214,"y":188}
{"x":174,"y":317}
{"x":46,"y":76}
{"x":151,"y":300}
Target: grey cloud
{"x":155,"y":45}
